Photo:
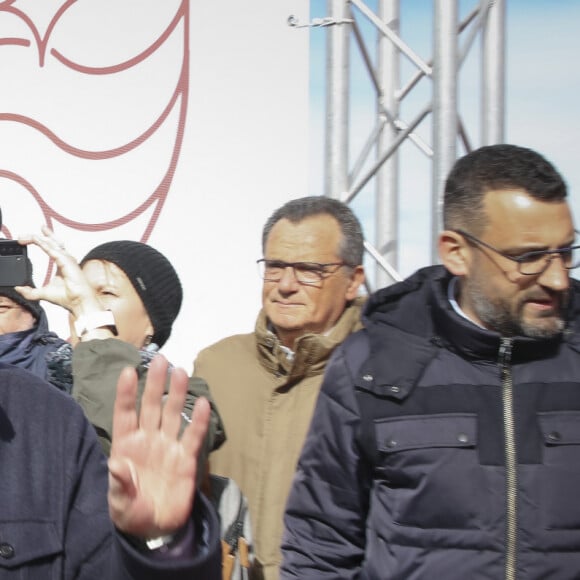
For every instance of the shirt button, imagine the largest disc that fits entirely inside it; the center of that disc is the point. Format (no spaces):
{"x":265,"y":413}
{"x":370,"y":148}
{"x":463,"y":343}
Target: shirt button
{"x":394,"y":389}
{"x":6,"y":551}
{"x":368,"y":378}
{"x":462,"y":438}
{"x":554,"y":436}
{"x":391,"y":443}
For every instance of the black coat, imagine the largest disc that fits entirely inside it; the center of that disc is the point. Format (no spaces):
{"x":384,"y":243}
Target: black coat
{"x":439,"y":450}
{"x":54,"y":521}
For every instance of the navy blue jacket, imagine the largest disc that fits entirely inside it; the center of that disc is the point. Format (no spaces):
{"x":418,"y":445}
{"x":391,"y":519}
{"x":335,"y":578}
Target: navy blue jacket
{"x":54,"y":521}
{"x":439,"y":450}
{"x":31,"y":349}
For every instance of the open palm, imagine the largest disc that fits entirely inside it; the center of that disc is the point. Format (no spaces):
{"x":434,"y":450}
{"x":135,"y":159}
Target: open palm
{"x":152,"y":468}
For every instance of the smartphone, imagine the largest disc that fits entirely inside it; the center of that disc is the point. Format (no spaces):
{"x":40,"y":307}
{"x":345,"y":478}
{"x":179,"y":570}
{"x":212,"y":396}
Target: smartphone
{"x":15,"y":268}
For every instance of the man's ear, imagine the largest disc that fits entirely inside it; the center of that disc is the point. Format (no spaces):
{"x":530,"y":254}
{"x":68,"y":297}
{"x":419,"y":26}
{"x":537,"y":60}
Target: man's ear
{"x":454,"y":252}
{"x":356,"y":279}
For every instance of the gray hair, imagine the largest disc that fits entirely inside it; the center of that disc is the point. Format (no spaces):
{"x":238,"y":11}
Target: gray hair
{"x":352,"y":245}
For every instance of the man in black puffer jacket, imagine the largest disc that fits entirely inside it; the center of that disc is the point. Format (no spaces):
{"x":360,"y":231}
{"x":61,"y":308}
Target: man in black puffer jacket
{"x":446,"y":439}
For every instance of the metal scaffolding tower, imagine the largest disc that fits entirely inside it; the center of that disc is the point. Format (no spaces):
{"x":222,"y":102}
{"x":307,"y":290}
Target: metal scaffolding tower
{"x":378,"y":162}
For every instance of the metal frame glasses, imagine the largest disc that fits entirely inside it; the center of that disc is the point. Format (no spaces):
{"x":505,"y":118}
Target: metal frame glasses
{"x":309,"y":273}
{"x":533,"y":263}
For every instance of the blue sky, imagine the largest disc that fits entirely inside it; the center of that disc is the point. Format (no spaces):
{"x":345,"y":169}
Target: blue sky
{"x":542,"y":89}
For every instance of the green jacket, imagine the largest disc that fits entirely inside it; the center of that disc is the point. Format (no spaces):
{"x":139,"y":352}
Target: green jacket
{"x":96,"y":366}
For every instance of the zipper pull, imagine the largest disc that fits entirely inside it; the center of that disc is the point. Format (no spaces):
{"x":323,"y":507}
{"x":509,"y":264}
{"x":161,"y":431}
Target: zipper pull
{"x":505,"y":354}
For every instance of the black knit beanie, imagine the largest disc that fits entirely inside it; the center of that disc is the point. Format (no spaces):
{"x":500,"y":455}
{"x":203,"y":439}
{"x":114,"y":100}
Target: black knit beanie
{"x":33,"y":306}
{"x":152,"y":276}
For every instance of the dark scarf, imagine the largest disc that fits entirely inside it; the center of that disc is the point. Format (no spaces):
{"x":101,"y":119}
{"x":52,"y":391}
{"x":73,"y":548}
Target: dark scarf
{"x":29,"y":349}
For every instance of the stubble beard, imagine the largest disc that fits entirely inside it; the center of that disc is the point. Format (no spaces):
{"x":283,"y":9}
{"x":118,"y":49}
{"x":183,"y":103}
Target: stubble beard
{"x":497,"y":315}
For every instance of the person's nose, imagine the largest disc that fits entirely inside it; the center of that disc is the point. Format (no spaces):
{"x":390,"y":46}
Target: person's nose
{"x":288,"y":283}
{"x":555,"y":276}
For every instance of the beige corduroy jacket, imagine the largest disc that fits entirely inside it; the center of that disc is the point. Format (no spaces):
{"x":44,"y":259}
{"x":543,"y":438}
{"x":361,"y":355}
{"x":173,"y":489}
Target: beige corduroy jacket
{"x":266,"y":403}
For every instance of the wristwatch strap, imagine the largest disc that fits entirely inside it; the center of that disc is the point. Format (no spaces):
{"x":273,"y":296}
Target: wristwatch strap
{"x":160,"y":542}
{"x":100,"y":319}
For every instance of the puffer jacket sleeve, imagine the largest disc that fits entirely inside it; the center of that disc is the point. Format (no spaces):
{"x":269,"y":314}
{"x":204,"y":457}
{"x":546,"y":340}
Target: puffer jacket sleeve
{"x":97,"y":365}
{"x":326,"y":511}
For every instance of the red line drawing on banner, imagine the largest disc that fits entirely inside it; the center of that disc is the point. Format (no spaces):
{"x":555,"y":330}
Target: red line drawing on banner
{"x":152,"y":200}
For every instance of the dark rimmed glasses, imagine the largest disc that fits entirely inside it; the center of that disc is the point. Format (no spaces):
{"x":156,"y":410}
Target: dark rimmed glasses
{"x":536,"y":262}
{"x":305,"y":272}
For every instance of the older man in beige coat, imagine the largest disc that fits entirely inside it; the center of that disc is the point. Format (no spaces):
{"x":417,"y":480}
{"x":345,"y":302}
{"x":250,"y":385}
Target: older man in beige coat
{"x":266,"y":383}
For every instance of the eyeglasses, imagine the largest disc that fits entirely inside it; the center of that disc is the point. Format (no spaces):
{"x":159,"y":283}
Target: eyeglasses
{"x":533,"y":263}
{"x":305,"y":272}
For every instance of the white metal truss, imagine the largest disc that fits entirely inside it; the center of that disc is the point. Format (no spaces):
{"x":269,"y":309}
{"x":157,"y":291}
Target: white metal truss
{"x":377,"y":164}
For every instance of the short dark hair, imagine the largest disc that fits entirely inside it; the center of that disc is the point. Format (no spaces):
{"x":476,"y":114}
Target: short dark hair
{"x":352,"y":245}
{"x":496,"y":167}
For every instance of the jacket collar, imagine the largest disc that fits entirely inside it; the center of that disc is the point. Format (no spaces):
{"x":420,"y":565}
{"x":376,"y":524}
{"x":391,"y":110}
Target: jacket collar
{"x":312,"y":350}
{"x":408,"y":322}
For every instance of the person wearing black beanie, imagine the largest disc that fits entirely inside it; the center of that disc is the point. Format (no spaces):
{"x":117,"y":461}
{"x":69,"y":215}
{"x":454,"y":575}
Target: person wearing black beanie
{"x":123,"y":298}
{"x":151,"y":275}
